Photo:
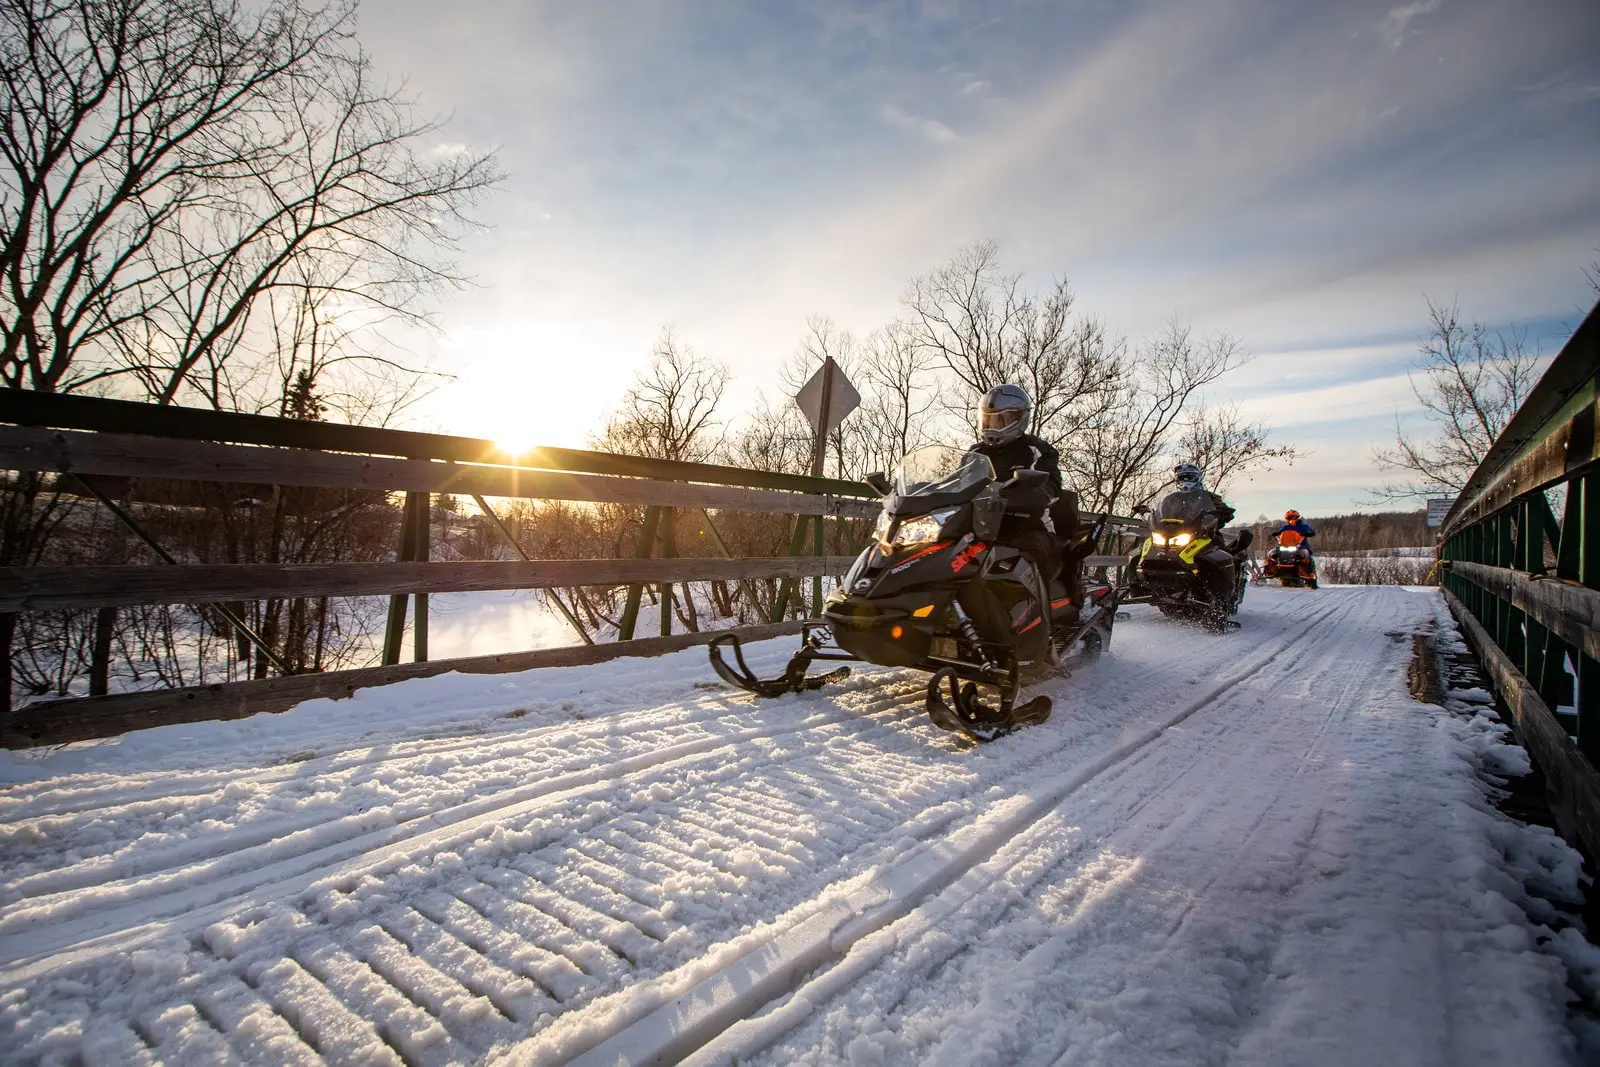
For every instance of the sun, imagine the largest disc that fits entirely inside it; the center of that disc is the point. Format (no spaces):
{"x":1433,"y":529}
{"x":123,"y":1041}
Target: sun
{"x":517,"y":442}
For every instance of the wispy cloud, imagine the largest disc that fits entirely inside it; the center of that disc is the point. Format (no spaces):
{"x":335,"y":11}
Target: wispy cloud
{"x":931,"y":130}
{"x":1394,"y":24}
{"x":1298,"y":175}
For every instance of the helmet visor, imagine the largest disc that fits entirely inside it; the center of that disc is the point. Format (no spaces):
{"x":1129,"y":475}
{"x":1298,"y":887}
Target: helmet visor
{"x":1002,"y":419}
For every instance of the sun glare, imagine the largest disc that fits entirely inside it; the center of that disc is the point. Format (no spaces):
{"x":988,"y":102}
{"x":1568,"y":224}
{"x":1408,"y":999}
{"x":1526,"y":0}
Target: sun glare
{"x":516,"y":442}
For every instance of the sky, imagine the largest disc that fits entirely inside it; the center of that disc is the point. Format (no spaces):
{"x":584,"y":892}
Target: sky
{"x":1301,"y":175}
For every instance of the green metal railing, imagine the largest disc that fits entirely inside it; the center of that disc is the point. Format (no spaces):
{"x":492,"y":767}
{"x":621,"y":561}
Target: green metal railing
{"x":1523,"y":575}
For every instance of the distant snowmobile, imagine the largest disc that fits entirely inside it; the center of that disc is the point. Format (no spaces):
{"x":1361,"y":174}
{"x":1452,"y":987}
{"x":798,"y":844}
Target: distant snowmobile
{"x":1291,"y":562}
{"x":1188,"y":568}
{"x":935,"y":593}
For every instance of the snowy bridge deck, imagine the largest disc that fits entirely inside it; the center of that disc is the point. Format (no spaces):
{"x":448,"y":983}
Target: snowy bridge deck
{"x":1253,"y":848}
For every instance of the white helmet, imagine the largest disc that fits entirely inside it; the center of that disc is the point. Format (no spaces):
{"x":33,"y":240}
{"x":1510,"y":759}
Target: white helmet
{"x":1003,"y":414}
{"x":1189,"y":477}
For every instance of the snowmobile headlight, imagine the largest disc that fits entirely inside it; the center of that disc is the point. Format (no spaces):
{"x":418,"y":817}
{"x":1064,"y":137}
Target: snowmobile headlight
{"x":923,"y":528}
{"x":880,"y":532}
{"x":1179,"y":540}
{"x":1159,"y":539}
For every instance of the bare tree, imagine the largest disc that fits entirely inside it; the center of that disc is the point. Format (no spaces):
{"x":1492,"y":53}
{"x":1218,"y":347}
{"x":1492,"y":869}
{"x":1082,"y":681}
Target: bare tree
{"x":899,"y":409}
{"x":1592,"y":273}
{"x":1221,"y":443}
{"x":1469,"y":381}
{"x":167,"y":164}
{"x":670,"y":410}
{"x":1116,"y":458}
{"x":981,"y":326}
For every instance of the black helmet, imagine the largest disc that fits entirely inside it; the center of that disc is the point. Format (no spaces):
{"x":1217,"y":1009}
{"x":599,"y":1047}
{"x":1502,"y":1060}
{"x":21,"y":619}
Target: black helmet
{"x":1189,"y":477}
{"x":1003,"y":414}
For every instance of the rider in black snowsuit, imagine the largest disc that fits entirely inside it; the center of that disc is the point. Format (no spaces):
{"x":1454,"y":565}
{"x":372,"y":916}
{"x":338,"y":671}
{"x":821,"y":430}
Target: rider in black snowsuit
{"x":1193,"y":498}
{"x":1003,"y":416}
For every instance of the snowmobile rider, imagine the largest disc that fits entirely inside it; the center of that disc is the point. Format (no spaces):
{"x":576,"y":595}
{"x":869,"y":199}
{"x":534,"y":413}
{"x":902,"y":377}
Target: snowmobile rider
{"x":1293,"y":522}
{"x":1038,"y":522}
{"x":1214,"y":514}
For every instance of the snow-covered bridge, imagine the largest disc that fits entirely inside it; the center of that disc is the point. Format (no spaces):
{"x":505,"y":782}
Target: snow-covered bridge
{"x":1247,"y":848}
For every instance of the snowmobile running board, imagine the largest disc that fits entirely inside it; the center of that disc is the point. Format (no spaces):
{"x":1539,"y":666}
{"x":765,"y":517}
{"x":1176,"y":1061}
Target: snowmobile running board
{"x":793,"y":680}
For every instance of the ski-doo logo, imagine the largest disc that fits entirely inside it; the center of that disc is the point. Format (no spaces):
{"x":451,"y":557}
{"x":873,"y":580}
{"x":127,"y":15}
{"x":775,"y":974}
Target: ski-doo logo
{"x":966,"y":556}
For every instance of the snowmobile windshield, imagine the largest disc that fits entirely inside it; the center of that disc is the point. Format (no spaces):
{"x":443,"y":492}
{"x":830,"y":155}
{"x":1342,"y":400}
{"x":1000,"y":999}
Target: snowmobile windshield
{"x":1190,"y":506}
{"x":939,"y":471}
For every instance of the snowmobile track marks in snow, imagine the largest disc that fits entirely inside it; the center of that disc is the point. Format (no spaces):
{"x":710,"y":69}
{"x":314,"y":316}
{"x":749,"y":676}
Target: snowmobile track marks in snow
{"x":771,"y":967}
{"x":797,"y":808}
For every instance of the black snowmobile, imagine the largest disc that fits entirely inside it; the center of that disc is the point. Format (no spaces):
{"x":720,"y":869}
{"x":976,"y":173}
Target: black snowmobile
{"x":1176,"y":566}
{"x":933,"y":592}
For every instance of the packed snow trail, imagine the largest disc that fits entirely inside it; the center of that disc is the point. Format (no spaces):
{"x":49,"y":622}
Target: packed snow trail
{"x":1251,"y":847}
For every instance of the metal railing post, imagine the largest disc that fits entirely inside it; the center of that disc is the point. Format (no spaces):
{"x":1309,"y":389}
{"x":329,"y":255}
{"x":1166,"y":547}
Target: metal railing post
{"x":669,"y":548}
{"x":785,"y":587}
{"x":394,"y":631}
{"x":647,"y":540}
{"x":424,"y":551}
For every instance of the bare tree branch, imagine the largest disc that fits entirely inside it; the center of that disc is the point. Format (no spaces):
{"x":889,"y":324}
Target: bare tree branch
{"x":168,"y":164}
{"x":670,"y":410}
{"x":1469,"y":382}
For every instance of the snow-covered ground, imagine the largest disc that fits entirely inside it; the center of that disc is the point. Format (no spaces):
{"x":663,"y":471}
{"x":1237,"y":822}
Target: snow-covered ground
{"x":1249,"y":848}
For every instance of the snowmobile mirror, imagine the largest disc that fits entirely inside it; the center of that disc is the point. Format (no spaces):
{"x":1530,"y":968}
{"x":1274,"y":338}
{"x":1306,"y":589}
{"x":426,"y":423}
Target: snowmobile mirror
{"x":1024,"y":476}
{"x":878,"y":481}
{"x":1140,"y":509}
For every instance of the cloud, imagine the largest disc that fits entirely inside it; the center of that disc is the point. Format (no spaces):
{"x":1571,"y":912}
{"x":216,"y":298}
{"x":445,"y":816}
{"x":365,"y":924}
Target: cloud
{"x":1393,"y":26}
{"x":1332,"y":403}
{"x":931,"y":130}
{"x":1565,"y":87}
{"x":1281,"y":172}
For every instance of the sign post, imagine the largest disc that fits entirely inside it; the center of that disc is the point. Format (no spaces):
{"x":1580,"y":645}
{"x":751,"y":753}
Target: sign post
{"x":1438,"y":508}
{"x":826,"y":398}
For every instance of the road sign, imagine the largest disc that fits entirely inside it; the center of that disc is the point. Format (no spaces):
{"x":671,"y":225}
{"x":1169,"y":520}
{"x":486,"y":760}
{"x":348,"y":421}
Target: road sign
{"x":1438,"y":508}
{"x":831,"y":386}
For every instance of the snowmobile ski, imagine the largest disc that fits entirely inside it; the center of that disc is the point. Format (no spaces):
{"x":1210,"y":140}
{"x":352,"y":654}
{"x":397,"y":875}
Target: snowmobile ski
{"x":794,"y":678}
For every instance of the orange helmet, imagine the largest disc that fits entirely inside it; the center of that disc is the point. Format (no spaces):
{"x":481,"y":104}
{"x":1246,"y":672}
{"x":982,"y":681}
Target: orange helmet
{"x":1291,"y":515}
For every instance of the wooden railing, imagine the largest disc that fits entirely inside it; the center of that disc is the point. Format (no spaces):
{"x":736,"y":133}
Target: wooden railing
{"x":84,"y":443}
{"x":1524,"y":582}
{"x":81,"y":440}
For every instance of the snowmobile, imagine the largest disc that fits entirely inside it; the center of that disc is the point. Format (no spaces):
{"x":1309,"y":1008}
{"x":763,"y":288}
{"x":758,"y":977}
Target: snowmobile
{"x":1291,"y":562}
{"x":934,"y":592}
{"x":1173,"y":567}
